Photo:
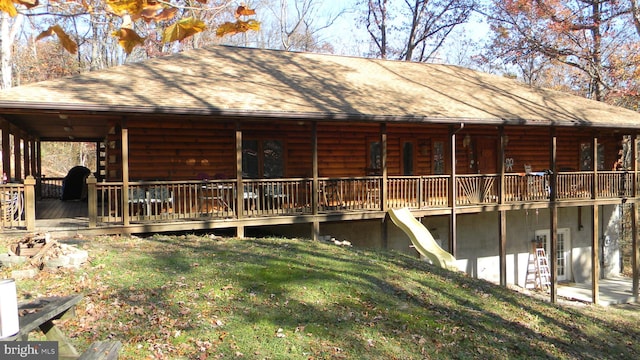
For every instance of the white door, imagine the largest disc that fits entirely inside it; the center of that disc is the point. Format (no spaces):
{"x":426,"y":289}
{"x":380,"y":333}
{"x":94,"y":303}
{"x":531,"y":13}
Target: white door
{"x":563,"y":251}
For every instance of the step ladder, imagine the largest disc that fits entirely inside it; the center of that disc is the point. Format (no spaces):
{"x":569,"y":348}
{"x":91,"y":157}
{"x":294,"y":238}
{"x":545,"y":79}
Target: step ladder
{"x":538,"y":273}
{"x":542,"y":267}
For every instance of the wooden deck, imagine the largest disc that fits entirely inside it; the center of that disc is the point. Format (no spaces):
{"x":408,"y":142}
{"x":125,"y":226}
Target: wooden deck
{"x":58,"y":209}
{"x":156,"y":206}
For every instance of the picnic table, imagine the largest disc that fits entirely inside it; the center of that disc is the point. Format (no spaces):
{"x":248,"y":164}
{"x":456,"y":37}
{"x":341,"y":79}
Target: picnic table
{"x":40,"y":314}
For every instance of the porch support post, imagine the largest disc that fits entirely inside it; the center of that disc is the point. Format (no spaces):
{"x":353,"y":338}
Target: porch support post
{"x":634,"y":249}
{"x":33,"y":157}
{"x":315,"y":189}
{"x":6,"y":149}
{"x":634,"y":217}
{"x":383,"y":155}
{"x":239,"y":186}
{"x":453,"y":237}
{"x":502,"y":214}
{"x":385,"y":184}
{"x":30,"y":203}
{"x":553,"y":214}
{"x":38,"y":167}
{"x":595,"y":230}
{"x":17,"y":175}
{"x":27,"y":156}
{"x":92,"y":200}
{"x":125,"y":175}
{"x":595,"y":259}
{"x":502,"y":246}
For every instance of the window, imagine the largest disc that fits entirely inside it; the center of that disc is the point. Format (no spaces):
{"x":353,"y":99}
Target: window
{"x":586,"y":156}
{"x":374,"y":165}
{"x":262,"y":159}
{"x":438,"y":157}
{"x":407,"y":158}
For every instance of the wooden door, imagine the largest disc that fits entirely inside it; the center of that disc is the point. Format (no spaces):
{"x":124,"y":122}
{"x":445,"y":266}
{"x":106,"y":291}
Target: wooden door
{"x":487,"y":158}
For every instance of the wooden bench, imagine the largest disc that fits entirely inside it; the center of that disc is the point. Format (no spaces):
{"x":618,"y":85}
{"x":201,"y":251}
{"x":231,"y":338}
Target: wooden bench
{"x":102,"y":350}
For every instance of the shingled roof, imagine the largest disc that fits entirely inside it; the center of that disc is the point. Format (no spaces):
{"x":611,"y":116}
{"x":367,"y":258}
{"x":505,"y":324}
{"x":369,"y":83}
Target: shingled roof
{"x":233,"y":81}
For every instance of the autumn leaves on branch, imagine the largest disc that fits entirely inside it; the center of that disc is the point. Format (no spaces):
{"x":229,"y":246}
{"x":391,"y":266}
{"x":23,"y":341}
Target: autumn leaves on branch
{"x":142,"y":11}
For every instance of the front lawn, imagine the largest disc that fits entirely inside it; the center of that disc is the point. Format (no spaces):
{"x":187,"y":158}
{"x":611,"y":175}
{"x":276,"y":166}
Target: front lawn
{"x":199,"y":297}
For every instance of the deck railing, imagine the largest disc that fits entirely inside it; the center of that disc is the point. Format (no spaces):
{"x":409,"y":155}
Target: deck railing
{"x":435,"y":191}
{"x":613,"y":184}
{"x":477,"y":189}
{"x":12,"y":205}
{"x":218,"y":199}
{"x":51,"y":187}
{"x":405,"y":191}
{"x":165,"y":200}
{"x":574,"y":185}
{"x":349,"y":194}
{"x":526,"y":187}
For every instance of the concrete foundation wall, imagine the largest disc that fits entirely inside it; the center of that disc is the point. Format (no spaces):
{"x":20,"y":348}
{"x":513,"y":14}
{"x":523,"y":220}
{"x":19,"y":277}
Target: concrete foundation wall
{"x":477,"y":250}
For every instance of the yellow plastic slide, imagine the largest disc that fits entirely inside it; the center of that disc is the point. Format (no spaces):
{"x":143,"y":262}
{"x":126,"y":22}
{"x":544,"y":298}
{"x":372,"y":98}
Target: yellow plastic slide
{"x":422,"y":239}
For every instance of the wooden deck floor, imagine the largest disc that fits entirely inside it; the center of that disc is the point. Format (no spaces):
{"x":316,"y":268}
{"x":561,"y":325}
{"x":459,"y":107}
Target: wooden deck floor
{"x":58,"y":209}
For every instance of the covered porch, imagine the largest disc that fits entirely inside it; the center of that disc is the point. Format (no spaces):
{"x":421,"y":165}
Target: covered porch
{"x":153,"y":203}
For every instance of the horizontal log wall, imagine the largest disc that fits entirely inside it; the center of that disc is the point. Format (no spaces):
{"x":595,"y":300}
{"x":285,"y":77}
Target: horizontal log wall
{"x":528,"y":146}
{"x":184,"y":149}
{"x":180,"y":150}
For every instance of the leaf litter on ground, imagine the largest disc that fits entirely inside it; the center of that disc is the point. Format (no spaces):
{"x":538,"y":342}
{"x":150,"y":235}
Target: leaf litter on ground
{"x":205,"y":297}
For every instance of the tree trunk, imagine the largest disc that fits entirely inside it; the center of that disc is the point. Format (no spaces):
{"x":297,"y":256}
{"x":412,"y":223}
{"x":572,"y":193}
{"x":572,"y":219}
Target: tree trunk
{"x":8,"y":30}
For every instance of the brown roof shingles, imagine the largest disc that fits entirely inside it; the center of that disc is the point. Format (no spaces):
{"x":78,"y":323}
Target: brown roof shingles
{"x":237,"y":81}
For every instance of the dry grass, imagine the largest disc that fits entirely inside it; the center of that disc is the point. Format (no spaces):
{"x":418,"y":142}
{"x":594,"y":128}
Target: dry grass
{"x":197,"y":297}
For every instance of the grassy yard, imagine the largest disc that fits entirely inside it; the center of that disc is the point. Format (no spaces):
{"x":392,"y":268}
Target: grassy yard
{"x":196,"y":297}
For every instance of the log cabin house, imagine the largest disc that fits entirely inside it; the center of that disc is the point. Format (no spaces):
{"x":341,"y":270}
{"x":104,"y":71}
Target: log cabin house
{"x":318,"y":146}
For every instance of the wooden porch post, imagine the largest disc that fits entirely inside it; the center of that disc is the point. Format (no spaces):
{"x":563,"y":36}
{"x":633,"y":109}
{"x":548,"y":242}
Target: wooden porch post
{"x":502,"y":215}
{"x":27,"y":156}
{"x":634,"y":217}
{"x":595,"y":230}
{"x":315,"y":190}
{"x":383,"y":155}
{"x":32,"y":164}
{"x":30,"y":203}
{"x":385,"y":184}
{"x":38,"y":167}
{"x":33,"y":157}
{"x":6,"y":149}
{"x":17,"y":153}
{"x":239,"y":186}
{"x":92,"y":201}
{"x":634,"y":250}
{"x":553,"y":214}
{"x":453,"y":236}
{"x":125,"y":175}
